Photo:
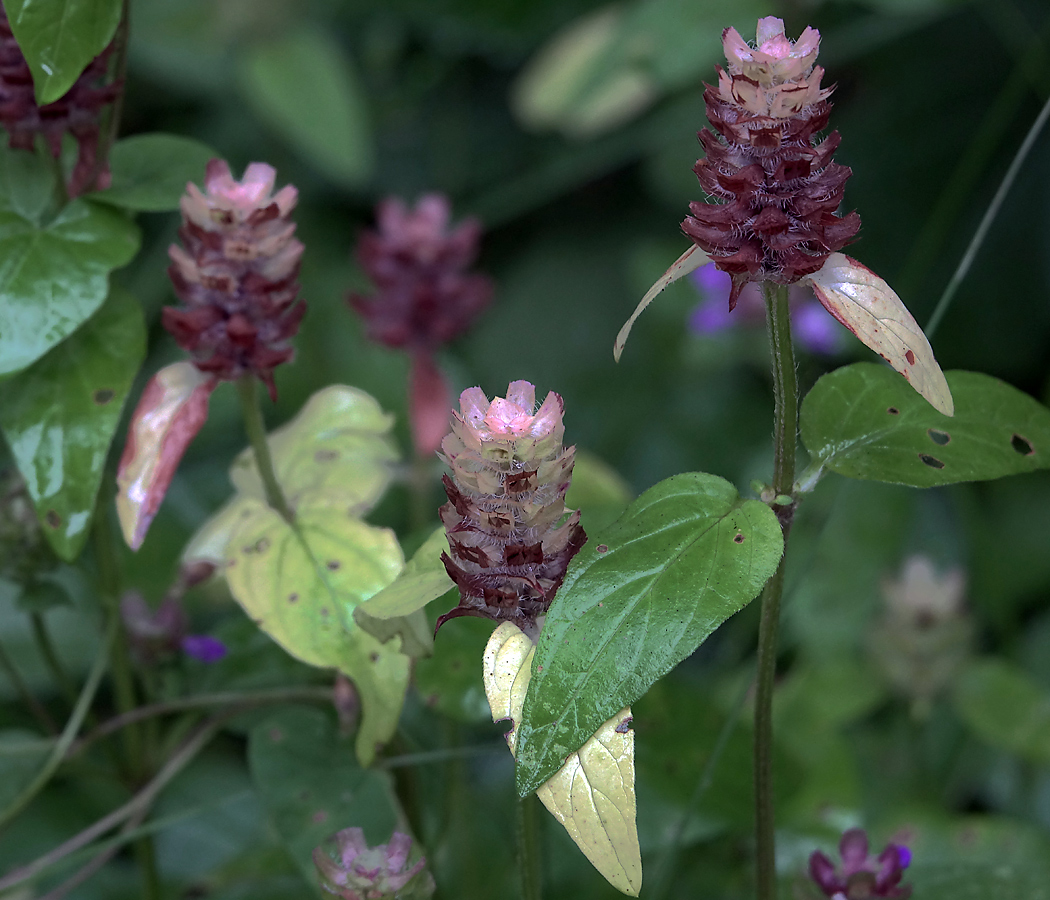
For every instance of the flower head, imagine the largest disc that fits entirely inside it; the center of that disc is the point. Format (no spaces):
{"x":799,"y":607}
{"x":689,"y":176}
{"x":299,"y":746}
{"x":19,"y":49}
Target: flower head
{"x":236,"y":274}
{"x":152,"y":633}
{"x":509,"y":548}
{"x":354,"y":871}
{"x":862,"y":875}
{"x":773,"y":193}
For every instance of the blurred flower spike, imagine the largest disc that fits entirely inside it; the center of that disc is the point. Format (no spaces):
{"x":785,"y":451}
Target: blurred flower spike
{"x":862,"y":875}
{"x":76,"y":113}
{"x":236,"y":275}
{"x":509,"y":548}
{"x":425,"y":297}
{"x":351,"y":870}
{"x":812,"y":327}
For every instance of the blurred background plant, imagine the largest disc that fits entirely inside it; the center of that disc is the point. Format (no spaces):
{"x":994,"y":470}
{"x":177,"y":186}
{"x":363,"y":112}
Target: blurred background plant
{"x":569,"y":130}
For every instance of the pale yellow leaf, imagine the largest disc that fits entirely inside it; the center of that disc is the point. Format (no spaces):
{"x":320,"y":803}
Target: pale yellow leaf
{"x":870,"y":308}
{"x":592,"y":795}
{"x":209,"y":542}
{"x":423,"y":579}
{"x":692,"y":259}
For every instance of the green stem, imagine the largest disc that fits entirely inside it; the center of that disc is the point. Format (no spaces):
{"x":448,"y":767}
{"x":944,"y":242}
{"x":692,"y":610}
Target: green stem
{"x":65,"y":740}
{"x":47,"y":651}
{"x":785,"y":439}
{"x":34,"y":706}
{"x":529,"y":851}
{"x":256,"y":430}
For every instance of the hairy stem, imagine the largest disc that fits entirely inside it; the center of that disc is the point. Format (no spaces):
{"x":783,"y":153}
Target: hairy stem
{"x":785,"y":438}
{"x":529,"y":855}
{"x":256,"y":430}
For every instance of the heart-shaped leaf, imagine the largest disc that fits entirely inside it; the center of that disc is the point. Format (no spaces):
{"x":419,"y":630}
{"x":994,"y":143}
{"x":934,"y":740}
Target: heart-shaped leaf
{"x":638,"y":599}
{"x":150,"y":171}
{"x":300,"y":585}
{"x":870,"y":308}
{"x":59,"y":416}
{"x":60,"y":37}
{"x":54,"y":273}
{"x":861,"y":421}
{"x":592,"y":793}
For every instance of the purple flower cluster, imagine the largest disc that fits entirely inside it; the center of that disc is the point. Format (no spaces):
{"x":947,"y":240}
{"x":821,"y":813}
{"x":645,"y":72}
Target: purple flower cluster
{"x":862,"y":875}
{"x":354,"y":871}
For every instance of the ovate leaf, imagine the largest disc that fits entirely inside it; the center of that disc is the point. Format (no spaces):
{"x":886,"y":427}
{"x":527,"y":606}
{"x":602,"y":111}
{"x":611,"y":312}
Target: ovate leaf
{"x":304,"y":86}
{"x":59,"y":416}
{"x":150,"y":171}
{"x":639,"y":598}
{"x":692,"y":259}
{"x":170,"y":412}
{"x":592,"y":793}
{"x":339,"y":445}
{"x":60,"y":37}
{"x":423,"y":579}
{"x":300,"y":585}
{"x":54,"y":272}
{"x":870,"y":308}
{"x":861,"y":421}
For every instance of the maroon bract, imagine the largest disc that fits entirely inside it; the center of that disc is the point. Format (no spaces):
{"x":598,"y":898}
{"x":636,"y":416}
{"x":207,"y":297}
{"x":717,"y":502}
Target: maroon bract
{"x":863,"y":875}
{"x":77,"y":112}
{"x":237,"y":274}
{"x":774,"y":193}
{"x":509,"y":544}
{"x":425,"y":296}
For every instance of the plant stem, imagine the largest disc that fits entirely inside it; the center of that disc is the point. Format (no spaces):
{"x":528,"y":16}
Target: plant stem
{"x":785,"y":438}
{"x":256,"y":430}
{"x":529,"y":853}
{"x":47,"y":651}
{"x":34,"y":706}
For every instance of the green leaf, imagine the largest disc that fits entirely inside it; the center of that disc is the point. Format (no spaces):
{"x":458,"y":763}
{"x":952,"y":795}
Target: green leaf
{"x":312,"y":787}
{"x":638,"y":599}
{"x":54,"y":273}
{"x":60,"y":37}
{"x":597,"y":491}
{"x":22,"y":753}
{"x":300,"y":585}
{"x":338,"y":446}
{"x":423,"y":579}
{"x":864,"y":421}
{"x":304,"y":86}
{"x":60,"y":414}
{"x":450,"y":680}
{"x":1005,"y":708}
{"x":150,"y":171}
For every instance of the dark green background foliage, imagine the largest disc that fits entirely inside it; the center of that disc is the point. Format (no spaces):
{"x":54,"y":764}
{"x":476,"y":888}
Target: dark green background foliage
{"x":405,"y":96}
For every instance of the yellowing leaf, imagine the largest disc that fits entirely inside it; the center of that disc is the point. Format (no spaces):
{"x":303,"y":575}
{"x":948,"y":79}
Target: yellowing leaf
{"x":301,"y":584}
{"x":592,"y":795}
{"x":692,"y":259}
{"x":870,"y":308}
{"x":171,"y":411}
{"x":338,"y":444}
{"x":423,"y":579}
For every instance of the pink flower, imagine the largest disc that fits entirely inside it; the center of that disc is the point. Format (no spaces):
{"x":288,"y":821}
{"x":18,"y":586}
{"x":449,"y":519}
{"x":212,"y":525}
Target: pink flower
{"x":355,"y":871}
{"x":862,"y":876}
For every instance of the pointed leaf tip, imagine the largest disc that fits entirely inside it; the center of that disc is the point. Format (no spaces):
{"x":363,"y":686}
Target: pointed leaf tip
{"x":871,"y":309}
{"x":692,"y":259}
{"x":592,"y":795}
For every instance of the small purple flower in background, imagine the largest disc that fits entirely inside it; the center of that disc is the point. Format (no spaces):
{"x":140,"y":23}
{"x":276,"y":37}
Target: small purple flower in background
{"x":862,"y":875}
{"x":203,"y":648}
{"x":354,"y":871}
{"x":813,"y":328}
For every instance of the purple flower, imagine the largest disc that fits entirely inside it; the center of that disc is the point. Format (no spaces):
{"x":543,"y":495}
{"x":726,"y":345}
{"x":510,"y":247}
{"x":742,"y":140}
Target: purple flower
{"x":862,"y":876}
{"x":354,"y":871}
{"x":203,"y":647}
{"x":814,"y":329}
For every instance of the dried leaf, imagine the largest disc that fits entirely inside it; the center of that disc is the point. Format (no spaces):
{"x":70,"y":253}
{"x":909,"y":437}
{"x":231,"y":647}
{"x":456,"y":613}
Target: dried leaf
{"x":692,"y":259}
{"x":171,"y":411}
{"x":592,"y":795}
{"x":870,"y":308}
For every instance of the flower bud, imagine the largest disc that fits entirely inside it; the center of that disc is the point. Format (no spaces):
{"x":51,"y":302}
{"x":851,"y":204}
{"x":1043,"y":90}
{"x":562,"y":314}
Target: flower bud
{"x":862,"y":875}
{"x":352,"y":870}
{"x":153,"y":634}
{"x":509,"y":547}
{"x":76,"y":113}
{"x":236,"y":274}
{"x":774,"y":195}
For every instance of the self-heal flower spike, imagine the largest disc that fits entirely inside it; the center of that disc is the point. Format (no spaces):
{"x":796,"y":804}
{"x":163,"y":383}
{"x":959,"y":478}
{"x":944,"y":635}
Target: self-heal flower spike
{"x":352,"y":870}
{"x":509,"y":546}
{"x":236,"y":274}
{"x":76,"y":113}
{"x":774,"y":194}
{"x":863,"y":875}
